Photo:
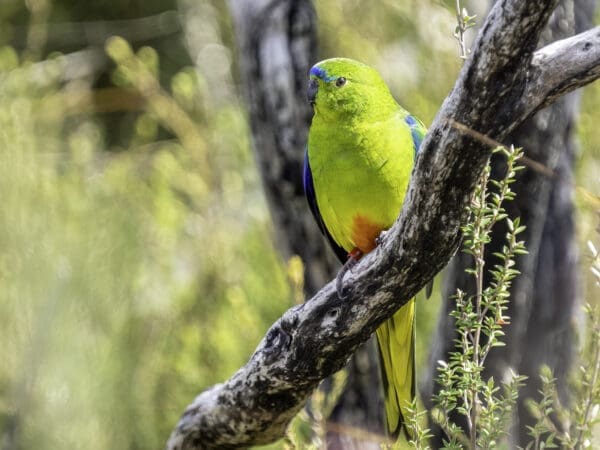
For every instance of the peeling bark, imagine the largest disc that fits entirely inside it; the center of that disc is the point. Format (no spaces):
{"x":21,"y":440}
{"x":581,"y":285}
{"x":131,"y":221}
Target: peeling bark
{"x":313,"y":340}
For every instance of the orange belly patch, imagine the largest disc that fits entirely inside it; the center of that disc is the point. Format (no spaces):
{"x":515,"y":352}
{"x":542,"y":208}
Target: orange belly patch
{"x":364,"y":233}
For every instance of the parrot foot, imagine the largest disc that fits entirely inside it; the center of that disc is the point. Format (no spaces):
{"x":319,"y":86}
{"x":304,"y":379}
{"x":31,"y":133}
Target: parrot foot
{"x":353,"y":258}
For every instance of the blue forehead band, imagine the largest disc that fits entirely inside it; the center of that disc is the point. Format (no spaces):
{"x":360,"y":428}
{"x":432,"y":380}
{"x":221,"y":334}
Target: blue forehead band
{"x":321,"y":73}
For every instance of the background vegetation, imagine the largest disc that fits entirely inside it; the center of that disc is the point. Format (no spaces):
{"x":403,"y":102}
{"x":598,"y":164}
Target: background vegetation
{"x":137,"y":265}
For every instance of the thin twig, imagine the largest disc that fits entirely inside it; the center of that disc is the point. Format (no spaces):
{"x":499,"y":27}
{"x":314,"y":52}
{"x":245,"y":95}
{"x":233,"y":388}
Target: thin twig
{"x":528,"y":162}
{"x":460,"y":31}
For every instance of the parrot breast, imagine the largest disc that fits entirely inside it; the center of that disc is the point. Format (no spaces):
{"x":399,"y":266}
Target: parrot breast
{"x":360,"y":174}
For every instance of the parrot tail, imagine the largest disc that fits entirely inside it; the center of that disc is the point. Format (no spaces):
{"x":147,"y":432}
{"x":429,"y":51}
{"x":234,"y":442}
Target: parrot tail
{"x":396,"y":339}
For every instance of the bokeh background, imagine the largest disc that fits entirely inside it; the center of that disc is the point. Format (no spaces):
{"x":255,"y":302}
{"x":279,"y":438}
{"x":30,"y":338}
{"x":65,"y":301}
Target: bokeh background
{"x":137,"y":259}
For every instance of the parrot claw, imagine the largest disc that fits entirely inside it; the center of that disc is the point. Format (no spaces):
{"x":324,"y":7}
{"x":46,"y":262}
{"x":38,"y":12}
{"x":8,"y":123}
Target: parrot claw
{"x":353,"y":258}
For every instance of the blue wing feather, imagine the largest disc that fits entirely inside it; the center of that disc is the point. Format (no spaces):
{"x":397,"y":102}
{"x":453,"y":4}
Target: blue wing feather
{"x":309,"y":191}
{"x":417,"y":131}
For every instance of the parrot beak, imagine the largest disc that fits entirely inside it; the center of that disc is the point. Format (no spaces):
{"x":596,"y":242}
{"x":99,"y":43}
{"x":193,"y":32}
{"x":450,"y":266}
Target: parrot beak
{"x":311,"y":93}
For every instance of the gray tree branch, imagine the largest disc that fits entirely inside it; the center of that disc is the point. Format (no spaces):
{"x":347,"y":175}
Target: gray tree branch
{"x":315,"y":339}
{"x":562,"y":66}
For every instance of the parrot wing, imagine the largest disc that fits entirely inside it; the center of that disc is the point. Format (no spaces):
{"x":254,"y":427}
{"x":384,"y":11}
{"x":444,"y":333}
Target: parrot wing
{"x":309,"y":191}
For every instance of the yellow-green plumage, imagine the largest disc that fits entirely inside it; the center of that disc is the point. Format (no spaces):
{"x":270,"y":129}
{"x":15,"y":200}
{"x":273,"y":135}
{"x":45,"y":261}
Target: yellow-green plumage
{"x":361,"y":150}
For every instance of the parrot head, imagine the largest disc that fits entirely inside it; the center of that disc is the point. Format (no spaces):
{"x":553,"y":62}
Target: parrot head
{"x":341,"y":86}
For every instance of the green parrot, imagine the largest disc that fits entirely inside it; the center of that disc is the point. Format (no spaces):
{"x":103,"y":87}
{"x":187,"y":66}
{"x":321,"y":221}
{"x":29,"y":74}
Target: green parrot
{"x":360,"y":154}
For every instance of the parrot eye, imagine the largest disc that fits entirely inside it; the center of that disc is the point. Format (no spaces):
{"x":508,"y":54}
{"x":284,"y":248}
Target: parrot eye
{"x":340,"y":82}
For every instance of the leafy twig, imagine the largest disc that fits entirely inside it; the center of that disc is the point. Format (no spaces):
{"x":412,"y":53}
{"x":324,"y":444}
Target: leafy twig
{"x":479,"y":319}
{"x":464,"y":22}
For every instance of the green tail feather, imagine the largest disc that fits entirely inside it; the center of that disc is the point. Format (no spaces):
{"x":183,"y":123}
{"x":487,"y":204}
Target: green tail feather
{"x":396,"y":339}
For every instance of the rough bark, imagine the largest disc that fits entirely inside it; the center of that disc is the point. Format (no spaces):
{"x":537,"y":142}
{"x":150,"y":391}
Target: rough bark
{"x":545,"y":297}
{"x":313,"y":340}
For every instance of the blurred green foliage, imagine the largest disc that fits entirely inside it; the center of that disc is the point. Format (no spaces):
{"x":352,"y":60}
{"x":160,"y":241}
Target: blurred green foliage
{"x":131,"y":277}
{"x":137,"y":264}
